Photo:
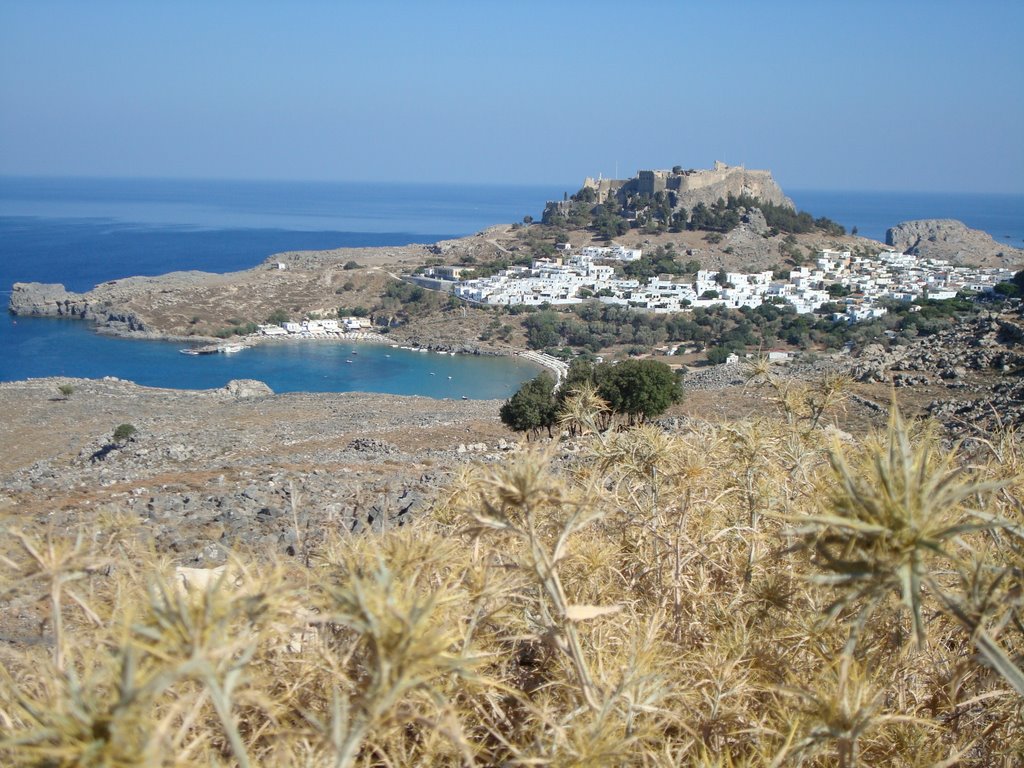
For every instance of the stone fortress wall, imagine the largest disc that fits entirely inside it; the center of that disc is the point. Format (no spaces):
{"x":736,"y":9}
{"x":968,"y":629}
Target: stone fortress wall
{"x":695,"y":186}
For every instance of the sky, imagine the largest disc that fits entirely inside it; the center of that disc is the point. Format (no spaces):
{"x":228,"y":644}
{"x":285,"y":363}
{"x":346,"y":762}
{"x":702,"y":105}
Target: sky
{"x":894,"y":95}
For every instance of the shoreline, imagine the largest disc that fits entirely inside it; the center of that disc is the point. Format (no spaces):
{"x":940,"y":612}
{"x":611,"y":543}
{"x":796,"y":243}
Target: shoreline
{"x":237,"y":344}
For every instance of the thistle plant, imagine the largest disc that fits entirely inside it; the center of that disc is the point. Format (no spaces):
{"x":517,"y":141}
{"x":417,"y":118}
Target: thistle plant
{"x":526,"y":503}
{"x":633,"y":601}
{"x":896,"y":522}
{"x":55,"y":563}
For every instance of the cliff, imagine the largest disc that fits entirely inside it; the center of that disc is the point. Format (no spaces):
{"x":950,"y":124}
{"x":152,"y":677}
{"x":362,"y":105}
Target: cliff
{"x":53,"y":300}
{"x":953,"y":241}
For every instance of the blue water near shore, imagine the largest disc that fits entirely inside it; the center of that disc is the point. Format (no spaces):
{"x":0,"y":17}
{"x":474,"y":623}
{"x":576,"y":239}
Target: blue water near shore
{"x":81,"y":232}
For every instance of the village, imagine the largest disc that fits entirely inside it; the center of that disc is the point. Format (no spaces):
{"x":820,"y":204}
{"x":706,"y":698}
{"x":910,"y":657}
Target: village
{"x":859,"y":287}
{"x":316,"y":327}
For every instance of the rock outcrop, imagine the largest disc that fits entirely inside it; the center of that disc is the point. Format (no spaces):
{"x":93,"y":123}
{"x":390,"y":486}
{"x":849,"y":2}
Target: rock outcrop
{"x":953,"y":241}
{"x":46,"y":300}
{"x":53,"y":300}
{"x":244,"y":389}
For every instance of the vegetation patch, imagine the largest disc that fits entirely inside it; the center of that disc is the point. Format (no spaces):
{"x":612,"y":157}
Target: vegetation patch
{"x":758,"y":593}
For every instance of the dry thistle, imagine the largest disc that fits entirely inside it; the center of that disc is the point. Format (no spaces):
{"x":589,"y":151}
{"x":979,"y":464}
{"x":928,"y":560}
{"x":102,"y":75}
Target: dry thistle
{"x":897,"y":521}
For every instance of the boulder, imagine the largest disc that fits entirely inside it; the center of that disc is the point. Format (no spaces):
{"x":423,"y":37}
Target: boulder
{"x":243,"y":389}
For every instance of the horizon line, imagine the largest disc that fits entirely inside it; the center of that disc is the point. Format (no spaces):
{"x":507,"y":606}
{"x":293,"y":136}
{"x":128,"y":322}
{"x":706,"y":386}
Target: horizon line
{"x":446,"y":183}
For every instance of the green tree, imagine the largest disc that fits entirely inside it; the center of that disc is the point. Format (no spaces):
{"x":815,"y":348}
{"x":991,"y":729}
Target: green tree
{"x":277,"y":317}
{"x":532,"y":407}
{"x":124,"y":433}
{"x":542,"y":330}
{"x":838,"y":290}
{"x":640,"y":389}
{"x":66,"y":390}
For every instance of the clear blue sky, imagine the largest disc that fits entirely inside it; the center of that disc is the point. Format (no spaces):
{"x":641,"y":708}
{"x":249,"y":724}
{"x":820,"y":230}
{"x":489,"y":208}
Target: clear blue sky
{"x":898,"y":95}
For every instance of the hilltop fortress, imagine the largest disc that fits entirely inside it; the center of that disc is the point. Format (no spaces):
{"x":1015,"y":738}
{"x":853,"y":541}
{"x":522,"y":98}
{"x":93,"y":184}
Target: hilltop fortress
{"x":692,"y":186}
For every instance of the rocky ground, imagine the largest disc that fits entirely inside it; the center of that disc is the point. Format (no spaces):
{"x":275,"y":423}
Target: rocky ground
{"x":976,"y":368}
{"x":207,"y":471}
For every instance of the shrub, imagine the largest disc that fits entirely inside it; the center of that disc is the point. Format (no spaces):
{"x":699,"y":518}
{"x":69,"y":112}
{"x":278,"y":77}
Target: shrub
{"x":124,"y":432}
{"x":277,"y":317}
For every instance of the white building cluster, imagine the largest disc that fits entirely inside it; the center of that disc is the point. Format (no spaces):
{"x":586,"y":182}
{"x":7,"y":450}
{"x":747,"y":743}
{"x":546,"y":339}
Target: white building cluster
{"x":317,"y":328}
{"x":572,"y":278}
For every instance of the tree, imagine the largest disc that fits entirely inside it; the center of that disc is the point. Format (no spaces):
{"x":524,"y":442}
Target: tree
{"x":641,"y":389}
{"x":838,"y":290}
{"x":717,"y":355}
{"x":542,"y":330}
{"x":532,"y":407}
{"x":527,"y":219}
{"x":277,"y":317}
{"x":66,"y":390}
{"x":124,"y":433}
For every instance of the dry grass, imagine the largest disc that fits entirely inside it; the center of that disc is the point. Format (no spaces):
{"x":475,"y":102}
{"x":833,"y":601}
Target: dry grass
{"x":752,"y":594}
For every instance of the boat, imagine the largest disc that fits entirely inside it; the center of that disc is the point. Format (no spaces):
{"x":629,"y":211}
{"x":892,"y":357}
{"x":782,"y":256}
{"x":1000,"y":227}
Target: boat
{"x":348,"y":361}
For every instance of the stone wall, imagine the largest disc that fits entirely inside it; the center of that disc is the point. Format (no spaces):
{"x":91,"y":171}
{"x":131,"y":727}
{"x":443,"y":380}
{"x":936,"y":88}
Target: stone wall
{"x":695,"y":186}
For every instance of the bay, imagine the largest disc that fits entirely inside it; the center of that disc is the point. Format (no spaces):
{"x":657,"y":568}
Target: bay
{"x":38,"y":347}
{"x":82,"y":232}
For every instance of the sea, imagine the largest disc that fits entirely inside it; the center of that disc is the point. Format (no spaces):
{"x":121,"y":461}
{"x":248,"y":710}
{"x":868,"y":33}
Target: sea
{"x":81,"y":232}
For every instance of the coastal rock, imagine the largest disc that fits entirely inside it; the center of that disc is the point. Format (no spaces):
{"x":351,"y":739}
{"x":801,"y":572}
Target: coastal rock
{"x":54,"y":300}
{"x":953,"y":241}
{"x":46,"y":300}
{"x":242,"y":389}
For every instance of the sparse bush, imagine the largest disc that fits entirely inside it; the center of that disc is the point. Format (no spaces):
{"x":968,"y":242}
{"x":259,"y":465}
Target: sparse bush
{"x":124,"y":432}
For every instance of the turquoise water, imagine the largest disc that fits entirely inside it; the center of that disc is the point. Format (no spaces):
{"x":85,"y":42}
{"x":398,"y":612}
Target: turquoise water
{"x":81,"y":232}
{"x":52,"y":347}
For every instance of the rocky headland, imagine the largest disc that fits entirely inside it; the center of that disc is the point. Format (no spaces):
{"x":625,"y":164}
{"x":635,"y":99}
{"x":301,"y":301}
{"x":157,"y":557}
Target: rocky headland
{"x":953,"y":241}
